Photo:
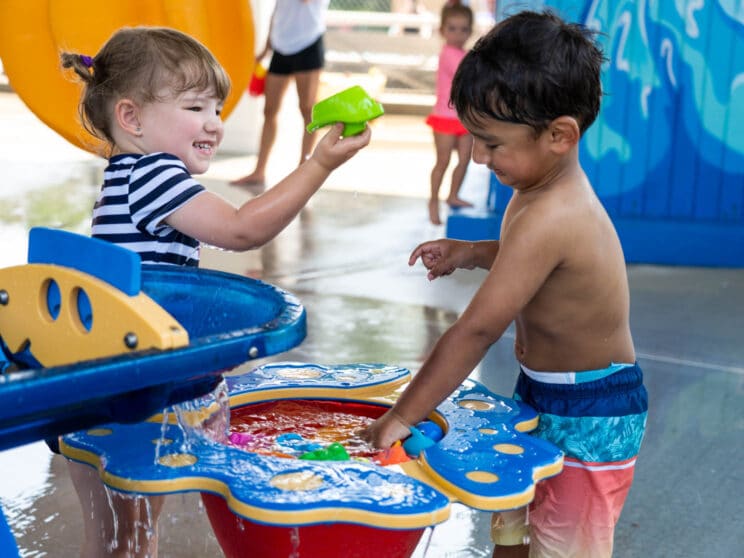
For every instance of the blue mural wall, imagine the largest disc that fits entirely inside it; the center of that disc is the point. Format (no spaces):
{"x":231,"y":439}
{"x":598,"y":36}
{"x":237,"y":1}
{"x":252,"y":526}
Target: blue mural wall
{"x":666,"y":154}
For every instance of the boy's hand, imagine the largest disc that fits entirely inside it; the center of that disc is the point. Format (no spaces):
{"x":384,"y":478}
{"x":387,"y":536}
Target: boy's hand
{"x":332,"y":150}
{"x":442,"y":257}
{"x":386,"y":430}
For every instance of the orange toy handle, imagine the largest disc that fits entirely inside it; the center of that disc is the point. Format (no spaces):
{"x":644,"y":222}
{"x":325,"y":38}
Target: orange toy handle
{"x":394,"y":455}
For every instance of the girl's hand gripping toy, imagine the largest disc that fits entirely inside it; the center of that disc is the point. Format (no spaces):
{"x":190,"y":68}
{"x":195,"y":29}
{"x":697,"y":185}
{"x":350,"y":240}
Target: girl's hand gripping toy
{"x":353,"y":107}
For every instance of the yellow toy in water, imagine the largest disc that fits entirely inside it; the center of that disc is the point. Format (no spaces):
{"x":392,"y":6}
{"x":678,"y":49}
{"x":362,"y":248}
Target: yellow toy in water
{"x":353,"y":107}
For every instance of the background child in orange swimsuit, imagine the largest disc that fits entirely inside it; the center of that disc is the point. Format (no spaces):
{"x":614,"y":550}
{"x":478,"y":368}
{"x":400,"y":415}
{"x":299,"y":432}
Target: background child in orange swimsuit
{"x":456,"y":26}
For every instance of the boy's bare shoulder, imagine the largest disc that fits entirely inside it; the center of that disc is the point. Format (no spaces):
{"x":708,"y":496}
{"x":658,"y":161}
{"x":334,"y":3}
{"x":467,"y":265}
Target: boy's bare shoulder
{"x":536,"y":238}
{"x":553,"y":214}
{"x":565,"y":228}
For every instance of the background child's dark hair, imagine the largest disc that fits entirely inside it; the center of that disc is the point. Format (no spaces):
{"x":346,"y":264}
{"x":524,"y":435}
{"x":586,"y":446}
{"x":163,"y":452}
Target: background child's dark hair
{"x":455,"y":8}
{"x":138,"y":63}
{"x":530,"y":69}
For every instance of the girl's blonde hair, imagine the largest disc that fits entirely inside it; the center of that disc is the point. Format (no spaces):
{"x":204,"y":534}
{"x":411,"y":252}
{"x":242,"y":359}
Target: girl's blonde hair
{"x":138,"y":63}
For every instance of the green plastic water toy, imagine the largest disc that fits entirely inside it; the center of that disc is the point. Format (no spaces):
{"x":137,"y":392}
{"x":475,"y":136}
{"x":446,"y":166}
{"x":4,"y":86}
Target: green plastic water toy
{"x":334,"y":452}
{"x":353,"y":107}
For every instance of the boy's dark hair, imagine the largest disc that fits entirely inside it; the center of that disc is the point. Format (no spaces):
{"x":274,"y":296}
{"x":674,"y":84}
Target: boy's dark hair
{"x":530,"y":69}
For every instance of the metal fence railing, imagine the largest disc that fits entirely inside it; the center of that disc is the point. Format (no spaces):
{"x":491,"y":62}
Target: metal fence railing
{"x":397,"y":39}
{"x":361,"y":5}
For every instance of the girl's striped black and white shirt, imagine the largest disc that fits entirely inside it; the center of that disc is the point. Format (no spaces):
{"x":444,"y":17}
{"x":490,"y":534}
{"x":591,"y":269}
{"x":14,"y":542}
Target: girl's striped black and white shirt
{"x":138,"y":193}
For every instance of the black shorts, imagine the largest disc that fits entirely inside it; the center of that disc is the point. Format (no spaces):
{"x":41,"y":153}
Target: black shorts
{"x":308,"y":59}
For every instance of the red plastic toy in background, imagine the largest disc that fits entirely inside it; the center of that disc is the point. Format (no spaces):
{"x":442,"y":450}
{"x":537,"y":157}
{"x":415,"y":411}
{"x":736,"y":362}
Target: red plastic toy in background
{"x":258,"y":80}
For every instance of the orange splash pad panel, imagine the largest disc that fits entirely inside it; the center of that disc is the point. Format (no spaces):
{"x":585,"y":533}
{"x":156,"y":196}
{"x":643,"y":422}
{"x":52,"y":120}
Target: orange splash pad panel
{"x":32,"y":34}
{"x":267,"y":502}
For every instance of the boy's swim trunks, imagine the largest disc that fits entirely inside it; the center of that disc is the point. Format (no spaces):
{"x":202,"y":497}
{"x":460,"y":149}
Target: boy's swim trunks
{"x":598,"y":419}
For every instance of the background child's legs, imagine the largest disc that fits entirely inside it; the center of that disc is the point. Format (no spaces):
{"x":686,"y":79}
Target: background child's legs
{"x":115,"y":525}
{"x":443,"y":144}
{"x":274,"y":90}
{"x":464,"y":147}
{"x":307,"y":93}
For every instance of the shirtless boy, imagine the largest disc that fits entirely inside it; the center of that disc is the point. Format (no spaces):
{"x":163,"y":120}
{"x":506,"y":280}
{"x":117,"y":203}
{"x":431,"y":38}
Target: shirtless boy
{"x":527,"y":92}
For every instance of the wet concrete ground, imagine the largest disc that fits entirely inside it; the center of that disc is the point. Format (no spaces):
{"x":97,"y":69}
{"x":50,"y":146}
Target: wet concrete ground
{"x":346,"y":257}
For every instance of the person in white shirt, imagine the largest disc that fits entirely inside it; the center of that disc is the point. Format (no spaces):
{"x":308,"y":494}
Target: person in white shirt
{"x":296,"y":41}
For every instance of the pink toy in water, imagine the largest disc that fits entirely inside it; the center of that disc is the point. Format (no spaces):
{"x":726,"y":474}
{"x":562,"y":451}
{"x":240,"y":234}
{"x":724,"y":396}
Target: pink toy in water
{"x":241,"y":438}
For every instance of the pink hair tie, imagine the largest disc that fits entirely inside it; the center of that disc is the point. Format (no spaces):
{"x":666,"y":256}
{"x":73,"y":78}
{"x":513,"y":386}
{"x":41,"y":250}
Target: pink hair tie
{"x":86,"y":60}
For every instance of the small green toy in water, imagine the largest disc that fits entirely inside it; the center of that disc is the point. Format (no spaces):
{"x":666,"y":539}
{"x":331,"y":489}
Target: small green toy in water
{"x":334,"y":452}
{"x":353,"y":107}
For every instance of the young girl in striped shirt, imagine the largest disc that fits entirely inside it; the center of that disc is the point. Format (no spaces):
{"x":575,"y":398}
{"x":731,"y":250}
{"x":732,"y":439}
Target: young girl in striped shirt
{"x":154,"y":96}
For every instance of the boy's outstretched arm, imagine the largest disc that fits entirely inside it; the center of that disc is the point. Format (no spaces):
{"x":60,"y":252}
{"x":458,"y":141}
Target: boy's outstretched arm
{"x":454,"y":356}
{"x":441,"y":257}
{"x":520,"y":265}
{"x":211,"y":219}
